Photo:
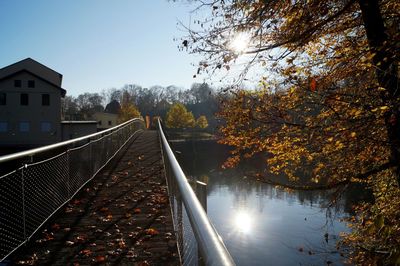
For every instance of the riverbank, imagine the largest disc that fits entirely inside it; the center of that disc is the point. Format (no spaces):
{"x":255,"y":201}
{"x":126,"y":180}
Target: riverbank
{"x":178,"y":136}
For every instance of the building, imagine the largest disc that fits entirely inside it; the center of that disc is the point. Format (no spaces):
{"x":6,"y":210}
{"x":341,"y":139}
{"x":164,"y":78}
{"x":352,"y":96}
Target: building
{"x":30,"y":106}
{"x":105,"y":120}
{"x":75,"y":129}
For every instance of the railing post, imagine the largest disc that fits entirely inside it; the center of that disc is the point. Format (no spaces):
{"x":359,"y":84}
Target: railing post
{"x":201,"y":193}
{"x":23,"y":199}
{"x":91,"y":159}
{"x":68,"y":175}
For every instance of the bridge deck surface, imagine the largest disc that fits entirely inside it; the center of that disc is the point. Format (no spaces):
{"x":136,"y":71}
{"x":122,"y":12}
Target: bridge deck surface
{"x":121,"y":217}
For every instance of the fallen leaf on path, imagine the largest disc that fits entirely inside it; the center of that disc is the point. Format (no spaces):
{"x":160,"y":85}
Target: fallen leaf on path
{"x":151,"y":231}
{"x":69,"y":243}
{"x":86,"y":252}
{"x":99,"y":259}
{"x":55,"y":227}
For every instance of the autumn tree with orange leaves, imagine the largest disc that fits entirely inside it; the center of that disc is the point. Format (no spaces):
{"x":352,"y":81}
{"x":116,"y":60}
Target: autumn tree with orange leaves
{"x":328,"y":102}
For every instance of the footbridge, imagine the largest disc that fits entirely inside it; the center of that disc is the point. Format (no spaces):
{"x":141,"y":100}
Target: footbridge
{"x":114,"y":197}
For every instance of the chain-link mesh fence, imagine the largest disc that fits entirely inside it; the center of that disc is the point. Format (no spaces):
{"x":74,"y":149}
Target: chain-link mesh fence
{"x":187,"y":245}
{"x":30,"y":195}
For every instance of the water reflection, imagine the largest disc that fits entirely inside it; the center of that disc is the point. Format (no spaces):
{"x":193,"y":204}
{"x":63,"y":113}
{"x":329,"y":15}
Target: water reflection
{"x":243,"y":222}
{"x":261,"y":223}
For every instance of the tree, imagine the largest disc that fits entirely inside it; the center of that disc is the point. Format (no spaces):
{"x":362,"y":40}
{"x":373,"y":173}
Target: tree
{"x":113,"y":107}
{"x":179,"y":117}
{"x":328,"y":99}
{"x":69,"y":107}
{"x":89,"y":103}
{"x":202,"y":122}
{"x":127,"y":112}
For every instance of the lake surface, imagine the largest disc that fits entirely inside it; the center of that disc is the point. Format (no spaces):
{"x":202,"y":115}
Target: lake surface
{"x":259,"y":223}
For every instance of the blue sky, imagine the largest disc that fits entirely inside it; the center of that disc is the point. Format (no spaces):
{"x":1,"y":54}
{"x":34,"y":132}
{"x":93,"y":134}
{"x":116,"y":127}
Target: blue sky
{"x":99,"y":44}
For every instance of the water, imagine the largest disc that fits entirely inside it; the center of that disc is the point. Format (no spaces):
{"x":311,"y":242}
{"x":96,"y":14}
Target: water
{"x":261,"y":224}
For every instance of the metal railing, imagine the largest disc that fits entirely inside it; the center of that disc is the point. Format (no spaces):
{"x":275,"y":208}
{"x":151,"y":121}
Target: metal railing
{"x":31,"y":194}
{"x":198,"y":241}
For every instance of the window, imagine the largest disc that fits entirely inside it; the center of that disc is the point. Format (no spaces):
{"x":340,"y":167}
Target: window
{"x":31,"y":84}
{"x":109,"y":122}
{"x":24,"y":126}
{"x":45,"y":126}
{"x":3,"y":126}
{"x":3,"y":98}
{"x":46,"y":99}
{"x":24,"y":99}
{"x":17,"y":83}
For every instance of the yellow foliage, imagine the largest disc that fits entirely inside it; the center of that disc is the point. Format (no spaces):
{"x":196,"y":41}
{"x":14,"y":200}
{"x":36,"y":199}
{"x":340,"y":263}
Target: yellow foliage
{"x":179,"y":117}
{"x":202,"y":122}
{"x":128,"y":111}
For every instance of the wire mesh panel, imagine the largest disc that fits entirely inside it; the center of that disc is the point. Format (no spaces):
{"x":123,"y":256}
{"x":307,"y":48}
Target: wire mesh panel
{"x":45,"y":188}
{"x":79,"y":167}
{"x":186,"y":240}
{"x":30,"y":195}
{"x":11,"y":212}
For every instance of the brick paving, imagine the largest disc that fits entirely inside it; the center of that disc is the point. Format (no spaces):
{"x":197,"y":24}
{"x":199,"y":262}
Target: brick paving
{"x":122,"y":217}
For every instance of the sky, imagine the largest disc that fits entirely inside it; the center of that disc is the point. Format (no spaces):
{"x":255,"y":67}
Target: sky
{"x":100,"y":44}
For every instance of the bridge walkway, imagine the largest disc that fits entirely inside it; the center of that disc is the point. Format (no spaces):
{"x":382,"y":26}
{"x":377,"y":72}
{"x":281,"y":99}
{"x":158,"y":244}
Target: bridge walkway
{"x":121,"y":217}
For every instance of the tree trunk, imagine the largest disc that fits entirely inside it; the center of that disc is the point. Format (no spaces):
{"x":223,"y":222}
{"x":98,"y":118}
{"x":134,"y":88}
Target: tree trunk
{"x":386,"y":74}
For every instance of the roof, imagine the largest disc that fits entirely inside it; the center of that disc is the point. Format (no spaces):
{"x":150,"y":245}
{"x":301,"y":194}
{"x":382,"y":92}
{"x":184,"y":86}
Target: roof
{"x":36,"y":69}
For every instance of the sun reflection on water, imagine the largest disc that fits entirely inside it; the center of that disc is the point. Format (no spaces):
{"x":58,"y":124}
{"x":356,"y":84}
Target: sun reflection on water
{"x":243,"y":222}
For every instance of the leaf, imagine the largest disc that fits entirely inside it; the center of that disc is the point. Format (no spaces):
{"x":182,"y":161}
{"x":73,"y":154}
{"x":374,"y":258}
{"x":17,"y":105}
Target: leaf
{"x":55,"y":227}
{"x":151,"y":231}
{"x":99,"y":259}
{"x":137,"y":210}
{"x":69,"y":243}
{"x":86,"y":252}
{"x":104,"y":209}
{"x":121,"y":243}
{"x":313,"y":84}
{"x":49,"y":236}
{"x":379,"y":221}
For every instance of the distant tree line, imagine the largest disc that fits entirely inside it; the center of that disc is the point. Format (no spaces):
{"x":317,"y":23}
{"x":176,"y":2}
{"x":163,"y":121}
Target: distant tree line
{"x":201,"y":100}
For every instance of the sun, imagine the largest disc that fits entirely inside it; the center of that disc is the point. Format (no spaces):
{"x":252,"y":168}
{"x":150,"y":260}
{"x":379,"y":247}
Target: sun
{"x":240,"y":42}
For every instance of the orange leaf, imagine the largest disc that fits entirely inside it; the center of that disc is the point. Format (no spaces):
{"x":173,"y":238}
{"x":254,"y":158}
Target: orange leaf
{"x":152,"y":231}
{"x":104,"y":209}
{"x":55,"y":227}
{"x":100,"y":259}
{"x":313,"y":84}
{"x":121,"y":244}
{"x":86,"y":252}
{"x":137,"y":210}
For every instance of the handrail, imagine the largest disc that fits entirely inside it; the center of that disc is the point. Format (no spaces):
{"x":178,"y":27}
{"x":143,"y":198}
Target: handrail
{"x":210,"y":244}
{"x":34,"y":151}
